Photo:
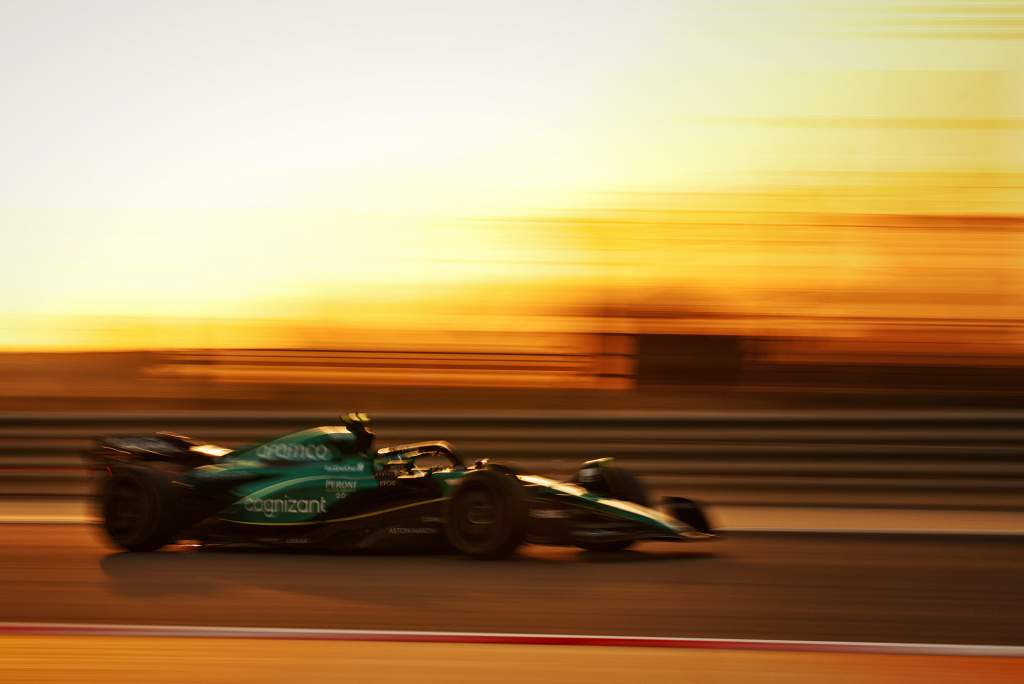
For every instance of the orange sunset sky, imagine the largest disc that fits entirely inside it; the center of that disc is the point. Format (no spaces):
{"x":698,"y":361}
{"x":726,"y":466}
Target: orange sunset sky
{"x":230,"y":173}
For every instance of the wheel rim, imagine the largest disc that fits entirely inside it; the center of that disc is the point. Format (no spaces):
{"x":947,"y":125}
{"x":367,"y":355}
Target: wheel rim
{"x":476,"y":518}
{"x":126,"y":509}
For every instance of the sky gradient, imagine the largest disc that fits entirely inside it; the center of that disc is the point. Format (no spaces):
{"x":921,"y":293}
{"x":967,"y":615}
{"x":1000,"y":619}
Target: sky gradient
{"x":271,"y":159}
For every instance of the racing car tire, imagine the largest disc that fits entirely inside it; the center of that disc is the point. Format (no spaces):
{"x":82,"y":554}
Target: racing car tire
{"x":621,"y":484}
{"x":688,"y":512}
{"x":488,"y":514}
{"x":624,"y":485}
{"x":613,"y":481}
{"x":139,"y":507}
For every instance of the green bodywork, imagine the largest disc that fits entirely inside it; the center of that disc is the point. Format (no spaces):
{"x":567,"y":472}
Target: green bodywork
{"x":295,"y":480}
{"x":292,"y":479}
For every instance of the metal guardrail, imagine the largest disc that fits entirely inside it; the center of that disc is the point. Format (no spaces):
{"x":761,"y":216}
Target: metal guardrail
{"x":927,"y":460}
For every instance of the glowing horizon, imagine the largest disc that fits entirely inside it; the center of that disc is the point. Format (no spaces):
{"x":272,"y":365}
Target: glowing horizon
{"x":275,"y":162}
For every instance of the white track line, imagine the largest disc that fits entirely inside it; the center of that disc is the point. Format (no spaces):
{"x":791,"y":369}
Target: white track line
{"x":56,"y":520}
{"x":115,"y":630}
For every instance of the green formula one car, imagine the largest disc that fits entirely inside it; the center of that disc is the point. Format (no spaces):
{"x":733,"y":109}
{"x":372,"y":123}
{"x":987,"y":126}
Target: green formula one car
{"x":329,"y":488}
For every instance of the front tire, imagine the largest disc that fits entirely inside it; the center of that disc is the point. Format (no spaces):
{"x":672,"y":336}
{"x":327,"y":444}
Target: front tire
{"x":617,"y":483}
{"x":688,"y":512}
{"x":488,"y":515}
{"x":140,"y":509}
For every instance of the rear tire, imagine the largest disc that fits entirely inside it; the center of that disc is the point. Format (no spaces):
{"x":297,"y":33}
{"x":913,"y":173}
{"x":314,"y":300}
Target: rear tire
{"x":140,"y":509}
{"x":488,"y":515}
{"x":617,"y":483}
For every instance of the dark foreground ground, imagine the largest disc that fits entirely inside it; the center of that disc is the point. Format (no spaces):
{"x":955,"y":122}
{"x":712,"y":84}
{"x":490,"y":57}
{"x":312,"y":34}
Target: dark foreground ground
{"x":774,"y":586}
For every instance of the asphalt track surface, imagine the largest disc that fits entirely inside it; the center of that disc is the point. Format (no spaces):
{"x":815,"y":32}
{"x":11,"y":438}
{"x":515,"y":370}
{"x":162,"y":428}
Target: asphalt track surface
{"x":843,"y":587}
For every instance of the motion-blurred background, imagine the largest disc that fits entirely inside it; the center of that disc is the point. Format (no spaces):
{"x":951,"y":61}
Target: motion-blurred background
{"x":766,"y":252}
{"x":663,"y":204}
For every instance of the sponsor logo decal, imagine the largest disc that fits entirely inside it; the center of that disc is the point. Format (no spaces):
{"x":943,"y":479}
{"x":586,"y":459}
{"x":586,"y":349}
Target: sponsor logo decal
{"x":548,"y":513}
{"x":597,"y":533}
{"x":356,"y":467}
{"x":283,"y":451}
{"x":412,"y":530}
{"x":341,"y":485}
{"x":271,"y":507}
